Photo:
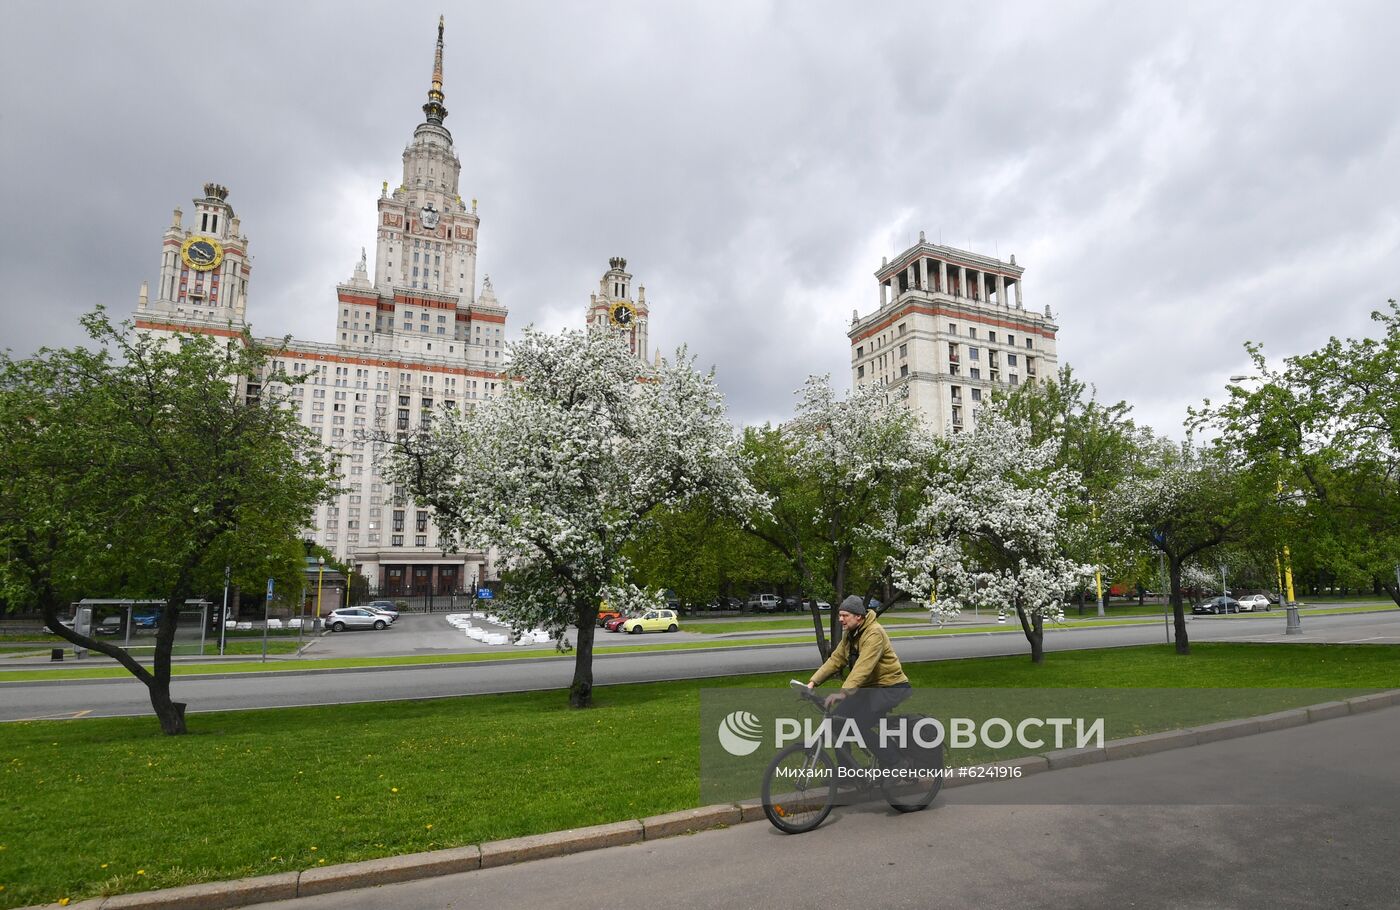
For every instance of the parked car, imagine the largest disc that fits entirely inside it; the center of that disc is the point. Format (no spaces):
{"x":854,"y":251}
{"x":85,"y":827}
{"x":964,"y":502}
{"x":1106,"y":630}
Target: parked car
{"x":612,"y":624}
{"x":1251,"y":602}
{"x":384,"y":608}
{"x":355,"y":618}
{"x":652,"y":621}
{"x":764,"y":603}
{"x":725,"y":603}
{"x":110,"y":625}
{"x":1217,"y":605}
{"x":672,"y":601}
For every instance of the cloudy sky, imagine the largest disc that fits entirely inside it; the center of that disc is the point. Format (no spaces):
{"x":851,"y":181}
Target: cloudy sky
{"x":1175,"y":178}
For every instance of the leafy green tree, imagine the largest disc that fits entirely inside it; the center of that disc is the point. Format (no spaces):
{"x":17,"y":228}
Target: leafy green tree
{"x":142,"y":468}
{"x":1325,"y":428}
{"x":1187,"y":503}
{"x":700,"y":552}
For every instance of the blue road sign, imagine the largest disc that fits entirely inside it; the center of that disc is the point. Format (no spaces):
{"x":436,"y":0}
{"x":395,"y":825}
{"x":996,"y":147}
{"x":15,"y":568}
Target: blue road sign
{"x":484,"y":594}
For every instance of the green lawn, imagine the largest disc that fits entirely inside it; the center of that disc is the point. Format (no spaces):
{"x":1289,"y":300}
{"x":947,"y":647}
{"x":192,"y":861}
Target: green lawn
{"x":109,"y":805}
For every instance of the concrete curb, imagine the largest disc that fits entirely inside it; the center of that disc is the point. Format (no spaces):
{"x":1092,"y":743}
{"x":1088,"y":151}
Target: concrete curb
{"x":559,"y":843}
{"x":391,"y":869}
{"x":345,"y":876}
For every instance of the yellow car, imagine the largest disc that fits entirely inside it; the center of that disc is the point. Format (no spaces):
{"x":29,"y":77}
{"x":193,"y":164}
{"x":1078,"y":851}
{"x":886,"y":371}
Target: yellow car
{"x":653,"y":621}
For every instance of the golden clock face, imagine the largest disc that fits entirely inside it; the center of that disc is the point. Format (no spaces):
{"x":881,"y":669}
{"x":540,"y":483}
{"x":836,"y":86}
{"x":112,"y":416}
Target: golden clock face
{"x":622,"y":314}
{"x":203,"y":254}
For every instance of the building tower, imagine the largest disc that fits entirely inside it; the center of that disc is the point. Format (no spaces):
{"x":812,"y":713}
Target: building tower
{"x":947,"y":331}
{"x":613,"y":309}
{"x":414,"y":339}
{"x":204,"y":268}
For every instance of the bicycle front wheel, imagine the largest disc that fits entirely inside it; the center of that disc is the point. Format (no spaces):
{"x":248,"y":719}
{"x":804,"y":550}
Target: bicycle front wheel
{"x":799,"y":788}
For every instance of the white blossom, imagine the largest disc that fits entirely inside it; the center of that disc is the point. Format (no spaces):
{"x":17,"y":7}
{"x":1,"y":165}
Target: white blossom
{"x":989,"y":530}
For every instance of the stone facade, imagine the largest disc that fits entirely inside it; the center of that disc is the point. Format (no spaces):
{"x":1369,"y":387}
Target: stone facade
{"x":419,"y":336}
{"x":950,"y":327}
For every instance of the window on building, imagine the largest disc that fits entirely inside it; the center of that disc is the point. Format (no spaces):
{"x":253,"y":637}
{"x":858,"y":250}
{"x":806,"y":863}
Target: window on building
{"x":1011,"y":339}
{"x":992,"y":337}
{"x":971,"y":332}
{"x":975,"y":373}
{"x":1011,"y":360}
{"x":976,"y":394}
{"x":398,"y":519}
{"x":904,"y":350}
{"x":904,"y":369}
{"x":860,"y":371}
{"x":956,"y":392}
{"x":396,"y":540}
{"x":953,"y":369}
{"x":1029,"y":344}
{"x":903,"y":327}
{"x":422,"y":522}
{"x":952,"y":328}
{"x":974,"y":353}
{"x":420,"y":540}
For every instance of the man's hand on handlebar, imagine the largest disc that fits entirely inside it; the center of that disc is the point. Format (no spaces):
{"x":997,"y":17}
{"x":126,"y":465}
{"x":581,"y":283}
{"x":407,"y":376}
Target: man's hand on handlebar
{"x":833,"y":699}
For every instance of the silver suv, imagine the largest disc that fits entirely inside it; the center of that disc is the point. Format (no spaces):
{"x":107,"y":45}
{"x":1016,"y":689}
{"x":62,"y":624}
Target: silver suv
{"x":355,"y":618}
{"x":765,"y":603}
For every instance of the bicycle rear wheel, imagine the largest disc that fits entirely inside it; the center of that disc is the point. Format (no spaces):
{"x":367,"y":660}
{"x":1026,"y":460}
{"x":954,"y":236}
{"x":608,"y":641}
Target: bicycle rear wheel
{"x":799,"y":788}
{"x":921,"y":786}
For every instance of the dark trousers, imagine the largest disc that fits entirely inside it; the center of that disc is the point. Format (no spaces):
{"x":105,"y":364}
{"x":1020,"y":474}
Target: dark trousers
{"x":866,"y":707}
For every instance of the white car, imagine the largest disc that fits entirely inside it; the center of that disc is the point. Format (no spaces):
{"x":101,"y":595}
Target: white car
{"x":1252,"y":602}
{"x":356,"y":618}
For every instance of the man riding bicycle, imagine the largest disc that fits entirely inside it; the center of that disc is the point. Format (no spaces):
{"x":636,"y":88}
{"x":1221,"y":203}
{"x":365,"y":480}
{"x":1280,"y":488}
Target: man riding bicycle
{"x":875,"y":684}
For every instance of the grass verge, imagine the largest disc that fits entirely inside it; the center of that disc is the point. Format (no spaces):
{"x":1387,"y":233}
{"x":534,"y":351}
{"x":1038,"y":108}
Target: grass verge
{"x":109,"y":806}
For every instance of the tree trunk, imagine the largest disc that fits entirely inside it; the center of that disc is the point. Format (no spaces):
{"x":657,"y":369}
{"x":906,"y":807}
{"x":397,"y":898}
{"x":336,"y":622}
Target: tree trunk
{"x":1183,"y":641}
{"x":581,"y":689}
{"x":171,"y":714}
{"x":1034,"y":628}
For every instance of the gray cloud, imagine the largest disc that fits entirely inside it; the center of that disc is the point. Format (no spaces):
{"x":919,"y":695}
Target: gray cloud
{"x":1176,"y":178}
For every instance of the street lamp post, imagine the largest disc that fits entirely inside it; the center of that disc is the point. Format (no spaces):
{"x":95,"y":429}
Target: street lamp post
{"x":223,"y":616}
{"x":320,"y":573}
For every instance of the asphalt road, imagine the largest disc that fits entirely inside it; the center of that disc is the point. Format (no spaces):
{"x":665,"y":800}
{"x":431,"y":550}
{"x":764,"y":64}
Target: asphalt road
{"x":1310,"y":823}
{"x":120,"y":697}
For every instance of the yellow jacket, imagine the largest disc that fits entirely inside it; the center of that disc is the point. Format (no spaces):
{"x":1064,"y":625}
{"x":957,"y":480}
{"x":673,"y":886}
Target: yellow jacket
{"x":875,"y":662}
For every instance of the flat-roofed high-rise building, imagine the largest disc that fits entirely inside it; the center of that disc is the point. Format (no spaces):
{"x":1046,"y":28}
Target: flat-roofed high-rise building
{"x":950,"y":327}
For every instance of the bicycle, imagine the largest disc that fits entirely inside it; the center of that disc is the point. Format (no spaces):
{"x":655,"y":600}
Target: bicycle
{"x":801,"y":782}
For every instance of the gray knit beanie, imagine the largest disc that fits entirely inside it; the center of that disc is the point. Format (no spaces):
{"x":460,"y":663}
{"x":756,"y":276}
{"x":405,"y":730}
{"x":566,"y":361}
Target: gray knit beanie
{"x":853,"y":605}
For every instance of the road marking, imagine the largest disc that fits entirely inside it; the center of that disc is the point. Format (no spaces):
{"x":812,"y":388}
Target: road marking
{"x":66,"y":715}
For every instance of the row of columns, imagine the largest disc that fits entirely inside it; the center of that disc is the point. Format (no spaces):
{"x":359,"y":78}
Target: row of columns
{"x":962,"y":288}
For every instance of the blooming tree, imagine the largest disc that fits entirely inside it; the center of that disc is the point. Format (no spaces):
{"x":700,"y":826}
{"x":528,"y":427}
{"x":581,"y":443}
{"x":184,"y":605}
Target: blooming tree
{"x":828,"y":473}
{"x":989,"y":529}
{"x":559,"y":473}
